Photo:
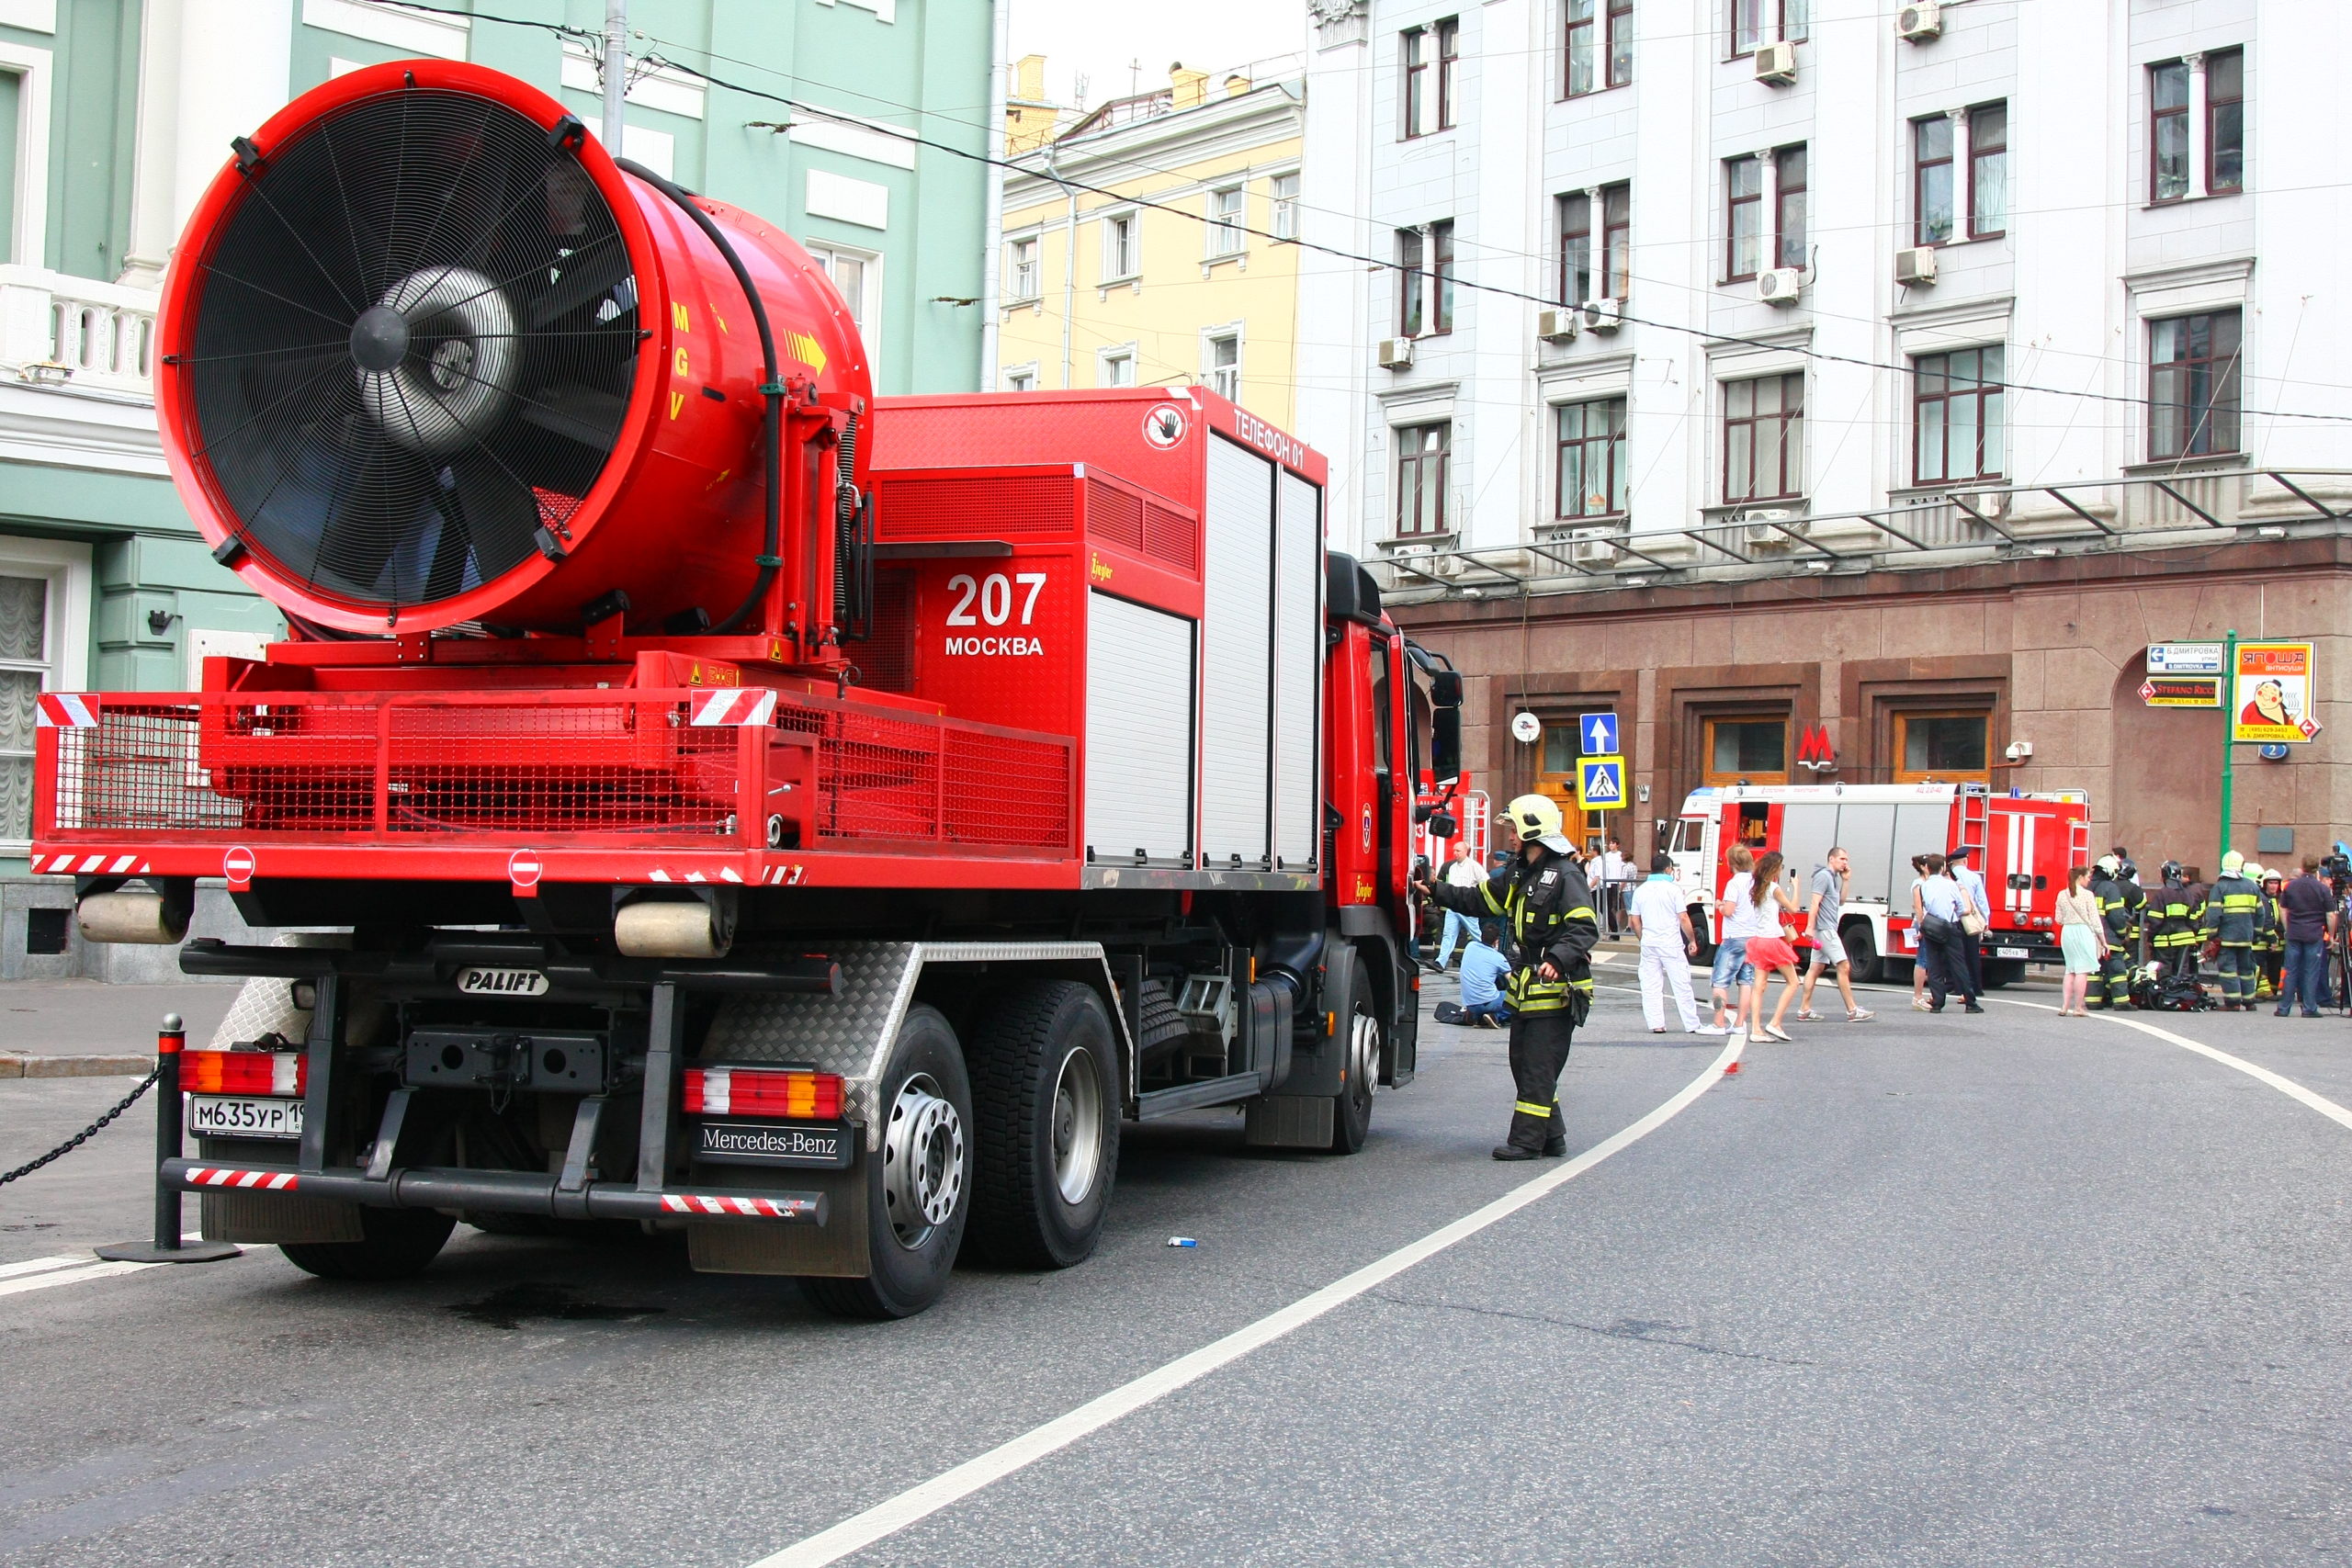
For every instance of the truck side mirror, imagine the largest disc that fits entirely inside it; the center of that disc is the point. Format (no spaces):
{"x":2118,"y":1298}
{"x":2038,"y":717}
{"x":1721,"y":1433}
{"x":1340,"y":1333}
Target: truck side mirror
{"x":1445,"y":743}
{"x":1445,"y":689}
{"x":1444,"y":826}
{"x":1664,"y":827}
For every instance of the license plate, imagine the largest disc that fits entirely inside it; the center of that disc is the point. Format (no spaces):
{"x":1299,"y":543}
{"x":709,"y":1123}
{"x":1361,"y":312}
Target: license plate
{"x":480,"y":982}
{"x":243,"y":1116}
{"x":824,"y":1146}
{"x":2011,"y":952}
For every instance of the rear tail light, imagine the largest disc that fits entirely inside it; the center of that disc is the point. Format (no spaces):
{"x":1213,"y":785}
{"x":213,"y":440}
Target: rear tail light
{"x":244,"y":1072}
{"x":763,"y":1091}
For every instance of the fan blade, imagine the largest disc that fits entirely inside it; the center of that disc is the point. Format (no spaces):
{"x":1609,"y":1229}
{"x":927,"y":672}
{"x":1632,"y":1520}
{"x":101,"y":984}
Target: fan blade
{"x":497,"y":515}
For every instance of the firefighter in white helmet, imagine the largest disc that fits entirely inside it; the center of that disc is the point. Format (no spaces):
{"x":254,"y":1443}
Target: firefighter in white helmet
{"x":1543,"y":898}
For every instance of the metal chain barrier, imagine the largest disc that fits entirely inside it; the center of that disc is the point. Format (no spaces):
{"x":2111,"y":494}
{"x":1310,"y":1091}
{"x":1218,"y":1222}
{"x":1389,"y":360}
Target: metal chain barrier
{"x":86,"y":1134}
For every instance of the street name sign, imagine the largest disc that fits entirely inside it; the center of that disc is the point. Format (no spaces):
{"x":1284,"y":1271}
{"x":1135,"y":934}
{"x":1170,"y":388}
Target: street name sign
{"x":2185,"y":658}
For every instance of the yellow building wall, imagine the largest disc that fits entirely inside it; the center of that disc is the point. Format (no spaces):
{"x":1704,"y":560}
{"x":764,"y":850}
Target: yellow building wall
{"x":1179,"y":293}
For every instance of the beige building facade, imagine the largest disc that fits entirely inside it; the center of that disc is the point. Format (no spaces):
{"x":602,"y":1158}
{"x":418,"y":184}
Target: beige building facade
{"x":1144,"y":241}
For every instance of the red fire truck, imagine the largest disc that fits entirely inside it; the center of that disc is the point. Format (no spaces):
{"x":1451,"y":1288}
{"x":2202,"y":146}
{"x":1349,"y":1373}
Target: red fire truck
{"x":2023,"y":845}
{"x":700,"y":793}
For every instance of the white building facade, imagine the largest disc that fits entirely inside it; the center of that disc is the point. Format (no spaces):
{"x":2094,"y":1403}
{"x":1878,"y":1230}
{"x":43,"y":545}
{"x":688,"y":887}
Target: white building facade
{"x":1613,"y":268}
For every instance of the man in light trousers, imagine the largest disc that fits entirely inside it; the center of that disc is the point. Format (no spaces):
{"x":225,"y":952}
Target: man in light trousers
{"x":1663,"y":926}
{"x":1461,"y":871}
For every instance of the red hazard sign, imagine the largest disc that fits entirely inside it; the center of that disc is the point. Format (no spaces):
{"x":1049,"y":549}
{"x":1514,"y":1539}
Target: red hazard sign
{"x":523,"y":868}
{"x":2147,"y":690}
{"x":237,"y":866}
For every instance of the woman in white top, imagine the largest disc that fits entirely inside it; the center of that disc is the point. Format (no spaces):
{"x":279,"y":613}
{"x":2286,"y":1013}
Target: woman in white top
{"x":1732,"y":972}
{"x":1769,"y":949}
{"x":1919,"y":965}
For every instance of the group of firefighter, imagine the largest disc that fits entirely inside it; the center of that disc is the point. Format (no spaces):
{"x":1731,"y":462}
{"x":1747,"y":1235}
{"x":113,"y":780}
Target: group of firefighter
{"x":2232,"y":932}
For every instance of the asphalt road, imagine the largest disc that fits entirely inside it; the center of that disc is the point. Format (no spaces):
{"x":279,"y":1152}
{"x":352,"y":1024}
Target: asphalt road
{"x":2002,"y":1290}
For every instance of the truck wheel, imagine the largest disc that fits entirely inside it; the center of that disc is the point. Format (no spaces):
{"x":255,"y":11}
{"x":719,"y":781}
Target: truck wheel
{"x":1706,"y":954}
{"x":393,"y":1244}
{"x":1348,"y":994}
{"x":1046,"y":1089}
{"x":1861,"y":953}
{"x":918,"y":1189}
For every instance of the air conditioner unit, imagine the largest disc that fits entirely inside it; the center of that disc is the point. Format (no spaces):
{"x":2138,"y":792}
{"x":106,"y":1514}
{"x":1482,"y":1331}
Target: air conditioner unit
{"x":1916,"y":266}
{"x":1758,"y":530}
{"x":1395,"y":354}
{"x":1781,"y":285}
{"x":1593,"y":552}
{"x":1602,"y":315}
{"x":1557,"y":326}
{"x":1921,"y":22}
{"x":1992,"y":503}
{"x":1776,"y":64}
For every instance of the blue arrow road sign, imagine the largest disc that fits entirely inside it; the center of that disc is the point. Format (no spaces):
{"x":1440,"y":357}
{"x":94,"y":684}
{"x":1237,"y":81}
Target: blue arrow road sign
{"x":1600,"y":784}
{"x":1598,"y":733}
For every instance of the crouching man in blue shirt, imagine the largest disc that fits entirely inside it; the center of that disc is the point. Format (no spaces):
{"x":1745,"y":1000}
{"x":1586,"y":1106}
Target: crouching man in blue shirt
{"x":1483,"y":969}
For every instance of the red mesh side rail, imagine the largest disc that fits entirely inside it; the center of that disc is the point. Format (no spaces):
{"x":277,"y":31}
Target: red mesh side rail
{"x":978,"y":506}
{"x":934,"y":781}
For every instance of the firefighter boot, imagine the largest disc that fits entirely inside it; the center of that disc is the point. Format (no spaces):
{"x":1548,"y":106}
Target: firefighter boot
{"x":1531,"y":1134}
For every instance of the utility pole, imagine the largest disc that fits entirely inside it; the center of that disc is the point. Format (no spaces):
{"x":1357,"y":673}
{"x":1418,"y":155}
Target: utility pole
{"x":2228,"y":727}
{"x":616,"y":71}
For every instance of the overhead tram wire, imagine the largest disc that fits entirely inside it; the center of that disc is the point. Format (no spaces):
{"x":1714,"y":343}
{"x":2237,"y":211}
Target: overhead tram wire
{"x":1369,"y":262}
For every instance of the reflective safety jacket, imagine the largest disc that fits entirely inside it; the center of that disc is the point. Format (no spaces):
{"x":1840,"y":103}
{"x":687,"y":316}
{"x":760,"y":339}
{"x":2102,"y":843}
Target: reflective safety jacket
{"x":1548,"y":910}
{"x":2115,"y":909}
{"x":2234,"y":911}
{"x":2177,"y":916}
{"x":2272,"y":937}
{"x":2135,"y":904}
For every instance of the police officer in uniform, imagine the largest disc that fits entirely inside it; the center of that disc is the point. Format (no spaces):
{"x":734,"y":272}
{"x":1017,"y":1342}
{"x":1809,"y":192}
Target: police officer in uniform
{"x":2234,"y":919}
{"x":1541,"y":896}
{"x":2119,"y":916}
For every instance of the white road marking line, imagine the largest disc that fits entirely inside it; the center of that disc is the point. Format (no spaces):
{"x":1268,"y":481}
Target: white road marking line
{"x":38,"y":1265}
{"x":2287,"y":1087}
{"x":71,"y":1275}
{"x":917,"y":1503}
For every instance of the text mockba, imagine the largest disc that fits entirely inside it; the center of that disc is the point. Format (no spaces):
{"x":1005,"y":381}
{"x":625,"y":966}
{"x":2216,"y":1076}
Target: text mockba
{"x":998,"y":647}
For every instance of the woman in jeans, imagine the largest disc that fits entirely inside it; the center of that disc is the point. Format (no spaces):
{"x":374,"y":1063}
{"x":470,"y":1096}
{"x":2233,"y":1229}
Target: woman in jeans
{"x":2082,"y":936}
{"x":1919,"y":965}
{"x":1732,"y":972}
{"x":1769,"y":951}
{"x":1941,"y":938}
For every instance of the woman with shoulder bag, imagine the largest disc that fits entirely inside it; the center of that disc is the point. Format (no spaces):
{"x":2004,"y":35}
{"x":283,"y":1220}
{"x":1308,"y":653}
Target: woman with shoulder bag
{"x":1943,"y":940}
{"x":2082,"y":935}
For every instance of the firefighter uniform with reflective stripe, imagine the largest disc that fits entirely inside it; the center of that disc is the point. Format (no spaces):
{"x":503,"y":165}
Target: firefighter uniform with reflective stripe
{"x":2135,"y":908}
{"x":2234,"y":915}
{"x":1547,"y":909}
{"x":2176,"y":925}
{"x":2270,"y":947}
{"x":2120,"y":918}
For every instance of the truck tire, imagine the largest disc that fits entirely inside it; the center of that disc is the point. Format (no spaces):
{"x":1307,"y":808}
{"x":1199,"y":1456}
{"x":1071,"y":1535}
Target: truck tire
{"x":1699,"y":926}
{"x":1866,"y":967}
{"x":393,"y":1244}
{"x":918,"y":1186}
{"x":1045,"y":1097}
{"x":1347,"y":992}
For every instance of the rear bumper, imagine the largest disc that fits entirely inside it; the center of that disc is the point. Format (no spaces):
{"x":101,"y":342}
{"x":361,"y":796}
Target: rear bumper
{"x":495,"y":1191}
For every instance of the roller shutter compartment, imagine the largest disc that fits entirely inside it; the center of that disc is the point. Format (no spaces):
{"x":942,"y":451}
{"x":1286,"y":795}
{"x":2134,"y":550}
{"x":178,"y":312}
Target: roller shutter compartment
{"x":1237,"y":688}
{"x":1138,"y":734}
{"x":1299,"y":635}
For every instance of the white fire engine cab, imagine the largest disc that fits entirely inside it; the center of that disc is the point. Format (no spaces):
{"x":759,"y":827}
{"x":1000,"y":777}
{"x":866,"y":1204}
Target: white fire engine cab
{"x":2023,"y":843}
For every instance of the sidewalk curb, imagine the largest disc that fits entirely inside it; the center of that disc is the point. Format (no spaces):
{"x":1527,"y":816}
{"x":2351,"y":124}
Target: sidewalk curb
{"x":27,"y":1065}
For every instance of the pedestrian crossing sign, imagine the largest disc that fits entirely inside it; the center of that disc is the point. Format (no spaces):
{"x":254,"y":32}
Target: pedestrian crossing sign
{"x":1600,"y":784}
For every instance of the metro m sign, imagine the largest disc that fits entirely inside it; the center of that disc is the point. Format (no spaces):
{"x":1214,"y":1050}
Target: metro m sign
{"x":1815,"y":753}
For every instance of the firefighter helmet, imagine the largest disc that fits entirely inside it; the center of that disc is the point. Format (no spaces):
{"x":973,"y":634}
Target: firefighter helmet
{"x":2269,"y":873}
{"x":2175,"y":873}
{"x":2232,"y":863}
{"x":2110,"y":865}
{"x":1536,"y":818}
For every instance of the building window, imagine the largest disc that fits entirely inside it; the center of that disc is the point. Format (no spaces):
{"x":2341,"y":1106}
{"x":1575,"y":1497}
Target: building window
{"x":858,"y":275}
{"x":1931,"y":209}
{"x":1422,"y":453}
{"x":1021,"y":269}
{"x":1121,"y":254}
{"x":24,"y":662}
{"x":1442,"y":277}
{"x":1743,"y":229}
{"x":1764,"y":438}
{"x":1755,"y":22}
{"x":1747,"y":750}
{"x":1957,"y":416}
{"x":1449,"y":64}
{"x":1221,"y":365}
{"x":1600,"y":45}
{"x":1116,"y":367}
{"x":1988,"y":171}
{"x":1225,"y":221}
{"x":1592,"y":466}
{"x":1789,"y":167}
{"x":2225,"y":121}
{"x":1283,"y":189}
{"x":1580,"y":279}
{"x":2168,"y":131}
{"x":1616,"y":241}
{"x":2193,"y":385}
{"x":1942,"y":748}
{"x":1021,"y":379}
{"x":1411,"y":249}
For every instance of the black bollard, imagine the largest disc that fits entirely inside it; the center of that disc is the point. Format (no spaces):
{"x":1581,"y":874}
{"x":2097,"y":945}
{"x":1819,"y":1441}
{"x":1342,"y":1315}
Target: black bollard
{"x":167,"y":1246}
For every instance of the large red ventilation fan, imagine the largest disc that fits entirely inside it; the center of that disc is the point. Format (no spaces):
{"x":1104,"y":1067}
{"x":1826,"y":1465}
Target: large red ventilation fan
{"x":430,"y":357}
